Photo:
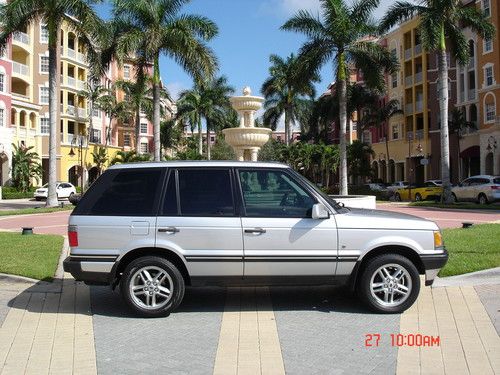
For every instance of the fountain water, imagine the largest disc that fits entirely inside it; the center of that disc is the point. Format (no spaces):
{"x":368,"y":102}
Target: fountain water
{"x":246,"y":140}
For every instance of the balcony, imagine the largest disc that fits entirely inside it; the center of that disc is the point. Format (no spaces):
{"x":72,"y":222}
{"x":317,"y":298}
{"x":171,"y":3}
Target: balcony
{"x":80,"y":85}
{"x":71,"y":81}
{"x":21,"y":69}
{"x":81,"y":58}
{"x":71,"y":53}
{"x":71,"y":110}
{"x":471,"y":64}
{"x":418,"y":77}
{"x":72,"y":139}
{"x":407,"y":54}
{"x":472,"y":94}
{"x":419,"y":105}
{"x":418,"y":49}
{"x":409,"y":81}
{"x":409,"y":108}
{"x":21,"y":37}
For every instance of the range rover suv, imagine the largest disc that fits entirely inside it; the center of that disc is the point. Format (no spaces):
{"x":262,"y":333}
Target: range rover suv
{"x":154,"y":228}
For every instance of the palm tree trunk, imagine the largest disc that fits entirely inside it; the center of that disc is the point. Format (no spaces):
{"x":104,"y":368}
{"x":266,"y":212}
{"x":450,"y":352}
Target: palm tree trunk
{"x":443,"y":108}
{"x":53,"y":79}
{"x":458,"y":158}
{"x":208,"y":140}
{"x":388,"y":169}
{"x":138,"y":130}
{"x":342,"y":134}
{"x":156,"y":109}
{"x":287,"y":128}
{"x":200,"y":138}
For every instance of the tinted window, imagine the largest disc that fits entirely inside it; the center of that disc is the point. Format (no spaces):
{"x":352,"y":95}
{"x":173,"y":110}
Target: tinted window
{"x":125,"y":192}
{"x":170,"y":200}
{"x":496,"y":180}
{"x":205,"y":192}
{"x":273,"y":194}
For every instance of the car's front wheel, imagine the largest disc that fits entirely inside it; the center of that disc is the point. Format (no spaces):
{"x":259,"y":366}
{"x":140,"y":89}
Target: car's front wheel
{"x":152,"y":286}
{"x":389,"y":283}
{"x":418,"y":197}
{"x":482,"y":199}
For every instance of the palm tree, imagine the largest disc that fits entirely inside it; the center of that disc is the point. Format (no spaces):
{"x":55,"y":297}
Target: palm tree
{"x":459,"y":125}
{"x":114,"y":110}
{"x":157,"y":28}
{"x":80,"y":17}
{"x":122,"y":157}
{"x":208,"y":100}
{"x":341,"y":37}
{"x":100,"y":158}
{"x":440,"y":27}
{"x":286,"y":90}
{"x":378,"y":116}
{"x":25,"y":167}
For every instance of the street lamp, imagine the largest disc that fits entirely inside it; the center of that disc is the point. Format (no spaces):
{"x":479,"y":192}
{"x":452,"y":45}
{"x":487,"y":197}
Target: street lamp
{"x":78,"y":142}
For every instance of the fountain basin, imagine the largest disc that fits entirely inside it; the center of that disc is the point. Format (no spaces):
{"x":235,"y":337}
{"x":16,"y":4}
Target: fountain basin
{"x":247,"y":137}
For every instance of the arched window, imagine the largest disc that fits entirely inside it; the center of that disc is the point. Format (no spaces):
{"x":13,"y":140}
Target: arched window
{"x":489,"y":105}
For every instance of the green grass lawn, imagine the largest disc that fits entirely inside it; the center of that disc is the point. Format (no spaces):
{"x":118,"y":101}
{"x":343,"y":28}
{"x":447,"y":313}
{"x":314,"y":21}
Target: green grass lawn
{"x":458,"y":205}
{"x":42,"y":210}
{"x":472,"y":249}
{"x":34,"y":256}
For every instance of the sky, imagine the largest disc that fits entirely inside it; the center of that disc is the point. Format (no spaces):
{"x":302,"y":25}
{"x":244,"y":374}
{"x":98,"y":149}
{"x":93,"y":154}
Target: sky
{"x":249,"y":32}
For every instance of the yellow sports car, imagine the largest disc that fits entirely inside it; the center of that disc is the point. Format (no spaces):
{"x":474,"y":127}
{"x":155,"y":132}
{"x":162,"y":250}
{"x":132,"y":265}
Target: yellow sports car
{"x":419,"y":192}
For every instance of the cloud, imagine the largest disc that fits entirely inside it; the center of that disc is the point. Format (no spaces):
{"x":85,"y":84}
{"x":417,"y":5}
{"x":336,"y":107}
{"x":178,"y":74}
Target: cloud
{"x":175,"y":88}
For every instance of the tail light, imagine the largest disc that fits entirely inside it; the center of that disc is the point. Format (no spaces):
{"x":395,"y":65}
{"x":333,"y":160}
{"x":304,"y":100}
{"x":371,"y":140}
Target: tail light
{"x":72,"y":236}
{"x":495,"y":187}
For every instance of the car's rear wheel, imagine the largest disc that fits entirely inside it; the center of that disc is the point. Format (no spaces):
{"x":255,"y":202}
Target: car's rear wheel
{"x":397,"y":197}
{"x":152,"y":286}
{"x":454,"y":197}
{"x":482,"y":199}
{"x":418,"y":197}
{"x":389,"y":283}
{"x":71,"y":196}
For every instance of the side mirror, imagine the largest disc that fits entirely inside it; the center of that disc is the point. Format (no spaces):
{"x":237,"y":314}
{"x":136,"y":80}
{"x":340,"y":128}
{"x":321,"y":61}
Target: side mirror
{"x":320,"y":212}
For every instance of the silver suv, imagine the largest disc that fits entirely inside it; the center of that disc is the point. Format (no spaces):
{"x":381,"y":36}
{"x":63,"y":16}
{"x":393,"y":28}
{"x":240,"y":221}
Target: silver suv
{"x":482,"y":189}
{"x":154,"y":228}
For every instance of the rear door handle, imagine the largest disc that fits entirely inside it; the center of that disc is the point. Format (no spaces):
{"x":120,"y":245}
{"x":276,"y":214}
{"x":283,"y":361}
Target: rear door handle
{"x":168,"y":230}
{"x":255,"y":230}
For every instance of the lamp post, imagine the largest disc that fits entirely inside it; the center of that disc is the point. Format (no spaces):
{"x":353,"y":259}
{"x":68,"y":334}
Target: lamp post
{"x":410,"y":170}
{"x":78,"y":142}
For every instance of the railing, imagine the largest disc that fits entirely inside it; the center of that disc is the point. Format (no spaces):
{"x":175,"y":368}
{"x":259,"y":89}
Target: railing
{"x":471,"y":63}
{"x":20,"y":68}
{"x":419,"y":105}
{"x":71,"y":53}
{"x":74,"y":139}
{"x":82,"y":113}
{"x":81,"y":57}
{"x":462,"y":96}
{"x":19,"y":36}
{"x":71,"y":110}
{"x":409,"y":80}
{"x":61,"y":79}
{"x":71,"y":81}
{"x":418,"y":77}
{"x":407,"y":53}
{"x":472,"y":94}
{"x":418,"y":49}
{"x":409,"y":108}
{"x":80,"y":85}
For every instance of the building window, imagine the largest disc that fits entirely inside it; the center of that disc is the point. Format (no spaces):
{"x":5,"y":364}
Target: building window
{"x":488,"y":45}
{"x":44,"y":34}
{"x":2,"y":82}
{"x":126,"y":71}
{"x":488,"y":73}
{"x":395,"y":131}
{"x":144,"y":128}
{"x":44,"y":64}
{"x":44,"y":125}
{"x":44,"y":95}
{"x":2,"y":117}
{"x":486,"y":8}
{"x":394,"y":78}
{"x":490,"y":112}
{"x":126,"y":140}
{"x":144,"y":148}
{"x":95,"y":136}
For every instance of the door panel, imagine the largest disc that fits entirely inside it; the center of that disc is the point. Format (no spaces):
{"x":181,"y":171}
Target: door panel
{"x":279,"y":236}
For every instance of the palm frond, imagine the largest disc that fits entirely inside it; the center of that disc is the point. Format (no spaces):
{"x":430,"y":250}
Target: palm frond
{"x":399,"y":12}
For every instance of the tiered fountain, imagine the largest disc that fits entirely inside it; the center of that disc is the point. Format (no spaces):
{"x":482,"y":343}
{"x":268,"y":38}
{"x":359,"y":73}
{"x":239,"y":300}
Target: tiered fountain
{"x":246,"y":140}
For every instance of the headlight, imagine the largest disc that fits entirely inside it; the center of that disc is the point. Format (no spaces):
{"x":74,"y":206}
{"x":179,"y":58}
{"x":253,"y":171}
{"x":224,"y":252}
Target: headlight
{"x":438,"y":239}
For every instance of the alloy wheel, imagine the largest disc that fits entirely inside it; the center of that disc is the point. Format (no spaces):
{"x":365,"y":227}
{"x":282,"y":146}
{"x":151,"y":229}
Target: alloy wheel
{"x":151,"y":287}
{"x":391,"y":285}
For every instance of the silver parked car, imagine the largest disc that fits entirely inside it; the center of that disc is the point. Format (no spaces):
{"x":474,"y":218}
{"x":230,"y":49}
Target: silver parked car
{"x":154,"y":228}
{"x":482,"y":189}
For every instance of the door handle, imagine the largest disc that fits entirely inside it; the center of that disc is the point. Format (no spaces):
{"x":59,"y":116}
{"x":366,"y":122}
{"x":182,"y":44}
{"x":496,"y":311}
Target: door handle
{"x":255,"y":230}
{"x":168,"y":230}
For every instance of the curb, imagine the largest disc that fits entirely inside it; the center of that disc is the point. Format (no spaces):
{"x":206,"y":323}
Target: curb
{"x":485,"y":277}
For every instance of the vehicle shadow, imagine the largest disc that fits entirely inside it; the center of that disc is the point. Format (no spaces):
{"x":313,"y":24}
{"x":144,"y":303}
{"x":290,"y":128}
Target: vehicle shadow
{"x":68,"y":296}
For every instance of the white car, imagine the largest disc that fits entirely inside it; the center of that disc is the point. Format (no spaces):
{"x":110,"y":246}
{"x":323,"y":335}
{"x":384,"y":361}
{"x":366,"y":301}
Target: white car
{"x":398,"y":185}
{"x":63,"y":189}
{"x":482,"y":189}
{"x":438,"y":183}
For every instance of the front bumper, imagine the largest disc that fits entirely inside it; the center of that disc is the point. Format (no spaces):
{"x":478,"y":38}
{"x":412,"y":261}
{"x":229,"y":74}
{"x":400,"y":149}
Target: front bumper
{"x":432,"y":264}
{"x":93,"y":271}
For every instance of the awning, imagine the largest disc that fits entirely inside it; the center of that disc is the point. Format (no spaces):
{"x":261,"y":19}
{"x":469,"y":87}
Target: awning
{"x":471,"y":152}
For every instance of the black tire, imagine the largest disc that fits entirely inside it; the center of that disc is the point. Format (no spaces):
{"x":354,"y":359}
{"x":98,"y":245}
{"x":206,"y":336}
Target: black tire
{"x":454,"y":197}
{"x":418,"y":197}
{"x":397,"y":197}
{"x":481,"y":199}
{"x":177,"y":288}
{"x":364,"y":284}
{"x":71,"y":196}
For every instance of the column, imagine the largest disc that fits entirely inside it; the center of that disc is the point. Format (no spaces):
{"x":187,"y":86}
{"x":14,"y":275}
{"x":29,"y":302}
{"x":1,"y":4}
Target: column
{"x":239,"y":154}
{"x":254,"y":153}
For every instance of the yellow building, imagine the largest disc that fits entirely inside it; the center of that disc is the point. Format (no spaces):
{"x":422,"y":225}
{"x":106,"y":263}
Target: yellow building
{"x":408,"y":134}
